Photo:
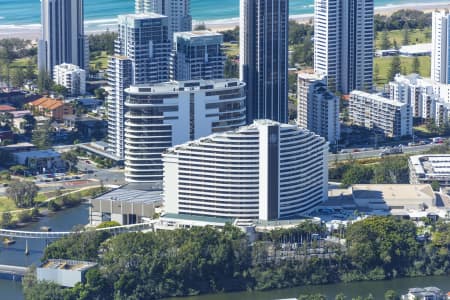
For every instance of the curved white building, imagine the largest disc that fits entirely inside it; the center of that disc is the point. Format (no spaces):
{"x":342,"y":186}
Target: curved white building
{"x":265,"y":171}
{"x":162,"y":115}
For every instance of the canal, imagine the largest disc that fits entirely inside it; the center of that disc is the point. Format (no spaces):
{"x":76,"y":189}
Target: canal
{"x":15,"y":254}
{"x":66,"y":220}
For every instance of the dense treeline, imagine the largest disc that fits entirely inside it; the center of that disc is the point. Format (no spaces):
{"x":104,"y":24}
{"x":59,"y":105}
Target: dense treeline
{"x":102,"y":42}
{"x":390,"y":170}
{"x":205,"y":260}
{"x":415,"y":19}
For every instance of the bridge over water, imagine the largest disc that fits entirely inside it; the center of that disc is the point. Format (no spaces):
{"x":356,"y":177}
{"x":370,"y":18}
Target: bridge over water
{"x":12,"y":272}
{"x":52,"y":235}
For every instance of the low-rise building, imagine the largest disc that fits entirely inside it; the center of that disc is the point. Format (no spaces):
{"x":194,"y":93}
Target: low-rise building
{"x":72,"y":77}
{"x":87,"y":127}
{"x":52,"y":108}
{"x":6,"y":108}
{"x":416,"y":50}
{"x":430,"y":168}
{"x":392,"y":118}
{"x":127,"y":205}
{"x":42,"y":161}
{"x":66,"y":273}
{"x":414,"y":201}
{"x":427,"y":293}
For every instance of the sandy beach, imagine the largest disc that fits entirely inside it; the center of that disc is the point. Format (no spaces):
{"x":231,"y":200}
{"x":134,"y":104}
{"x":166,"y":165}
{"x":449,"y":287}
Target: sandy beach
{"x":32,"y":32}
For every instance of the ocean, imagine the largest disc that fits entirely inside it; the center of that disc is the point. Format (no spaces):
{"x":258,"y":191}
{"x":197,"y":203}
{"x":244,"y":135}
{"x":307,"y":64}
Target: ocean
{"x":101,"y":14}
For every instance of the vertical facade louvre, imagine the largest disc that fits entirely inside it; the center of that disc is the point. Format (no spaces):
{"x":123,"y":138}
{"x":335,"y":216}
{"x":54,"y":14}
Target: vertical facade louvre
{"x":264,"y":58}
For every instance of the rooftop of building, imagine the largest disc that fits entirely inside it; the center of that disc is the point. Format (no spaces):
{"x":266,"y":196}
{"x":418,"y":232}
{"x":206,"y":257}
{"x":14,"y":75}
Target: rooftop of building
{"x":47,"y":103}
{"x":197,"y":34}
{"x":308,"y":75}
{"x":141,"y":16}
{"x":417,"y":48}
{"x":395,"y":195}
{"x":130,"y":195}
{"x":431,"y":164}
{"x":178,"y":86}
{"x":72,"y":265}
{"x":256,"y":125}
{"x":20,"y":113}
{"x":7,"y":108}
{"x":413,"y":200}
{"x":377,"y":97}
{"x":68,"y":67}
{"x":36,"y":154}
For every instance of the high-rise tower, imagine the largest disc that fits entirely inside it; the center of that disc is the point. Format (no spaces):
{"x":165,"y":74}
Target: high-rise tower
{"x":62,"y":39}
{"x":343,"y":43}
{"x":178,"y":12}
{"x":264,"y":58}
{"x":440,"y":57}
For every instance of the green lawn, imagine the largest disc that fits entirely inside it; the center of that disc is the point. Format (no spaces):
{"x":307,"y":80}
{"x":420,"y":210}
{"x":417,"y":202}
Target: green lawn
{"x":7,"y":204}
{"x":99,"y":60}
{"x":416,"y":36}
{"x":384,"y":65}
{"x":231,"y":49}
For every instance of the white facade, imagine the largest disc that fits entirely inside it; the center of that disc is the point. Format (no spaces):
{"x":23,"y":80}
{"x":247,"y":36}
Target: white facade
{"x":264,"y":28}
{"x":142,"y":52}
{"x":162,"y":115}
{"x":197,"y":55}
{"x":120,"y":76}
{"x":62,"y":38}
{"x":428,"y":99}
{"x":264,"y":171}
{"x":343,"y":43}
{"x":178,"y":12}
{"x":72,"y":77}
{"x":318,"y":108}
{"x":392,"y":118}
{"x":440,"y":57}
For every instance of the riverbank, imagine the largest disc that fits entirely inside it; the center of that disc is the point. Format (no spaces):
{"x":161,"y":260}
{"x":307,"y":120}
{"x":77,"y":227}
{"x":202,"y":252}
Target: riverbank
{"x":32,"y":31}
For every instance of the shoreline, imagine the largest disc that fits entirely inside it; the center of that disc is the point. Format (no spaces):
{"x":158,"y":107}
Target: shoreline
{"x":32,"y":31}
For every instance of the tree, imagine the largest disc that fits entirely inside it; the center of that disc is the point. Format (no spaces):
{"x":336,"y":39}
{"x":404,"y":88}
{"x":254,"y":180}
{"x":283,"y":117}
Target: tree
{"x":29,"y":124}
{"x":44,"y":82}
{"x":395,"y":68}
{"x":435,"y":186}
{"x":385,"y":42}
{"x":6,"y":220}
{"x":391,"y":295}
{"x":22,"y":193}
{"x":41,"y":137}
{"x":100,"y":93}
{"x":416,"y":65}
{"x":59,"y":89}
{"x":70,"y":158}
{"x":17,"y":77}
{"x":405,"y":40}
{"x":376,"y":72}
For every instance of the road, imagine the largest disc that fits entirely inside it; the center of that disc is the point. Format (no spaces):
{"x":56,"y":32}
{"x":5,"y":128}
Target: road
{"x":376,"y":153}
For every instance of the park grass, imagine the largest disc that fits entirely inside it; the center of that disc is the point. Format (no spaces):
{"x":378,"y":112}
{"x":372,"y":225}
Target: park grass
{"x":99,"y":60}
{"x":7,"y":204}
{"x":416,"y":36}
{"x":231,"y":49}
{"x":384,"y":64}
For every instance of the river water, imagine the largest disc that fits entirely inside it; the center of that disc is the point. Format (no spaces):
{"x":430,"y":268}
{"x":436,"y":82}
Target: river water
{"x":15,"y":254}
{"x":66,"y":220}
